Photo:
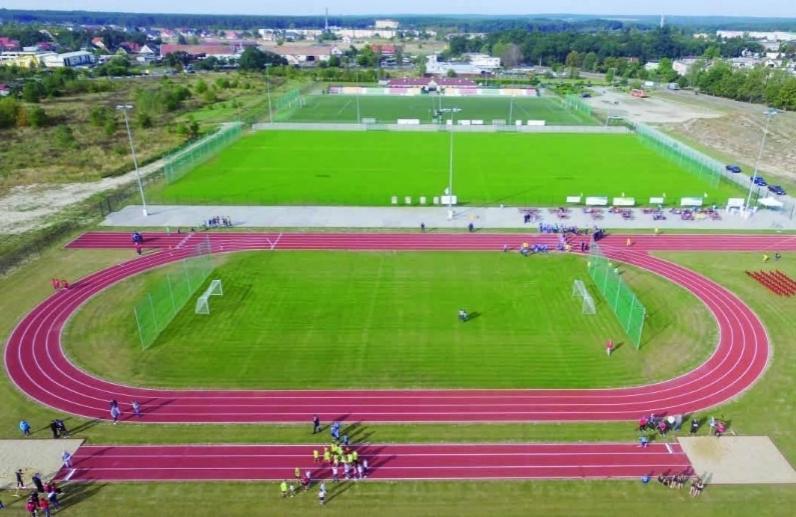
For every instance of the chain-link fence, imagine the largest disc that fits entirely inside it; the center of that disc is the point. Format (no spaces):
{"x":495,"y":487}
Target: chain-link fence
{"x":575,"y":103}
{"x":710,"y":170}
{"x":620,"y":297}
{"x":160,"y":305}
{"x":180,"y":163}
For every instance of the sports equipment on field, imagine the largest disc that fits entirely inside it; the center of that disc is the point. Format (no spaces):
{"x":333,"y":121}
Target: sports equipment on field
{"x":579,"y":290}
{"x":203,"y":302}
{"x":161,"y":304}
{"x":623,"y":301}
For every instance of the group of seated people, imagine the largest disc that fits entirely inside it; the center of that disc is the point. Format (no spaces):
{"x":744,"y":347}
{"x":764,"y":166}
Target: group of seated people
{"x":675,"y":481}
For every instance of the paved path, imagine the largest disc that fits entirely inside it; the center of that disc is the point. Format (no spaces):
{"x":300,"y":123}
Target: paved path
{"x":386,"y":462}
{"x":174,"y":216}
{"x":35,"y":361}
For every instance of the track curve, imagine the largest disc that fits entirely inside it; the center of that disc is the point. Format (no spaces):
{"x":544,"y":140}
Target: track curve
{"x":36,"y":363}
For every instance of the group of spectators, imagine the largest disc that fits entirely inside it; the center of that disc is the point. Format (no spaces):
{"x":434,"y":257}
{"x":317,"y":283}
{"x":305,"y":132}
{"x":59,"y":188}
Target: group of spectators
{"x":43,"y":499}
{"x":219,"y":221}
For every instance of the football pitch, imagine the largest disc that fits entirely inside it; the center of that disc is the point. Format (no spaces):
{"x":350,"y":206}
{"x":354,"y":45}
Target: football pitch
{"x":379,"y":320}
{"x":369,"y":168}
{"x":387,"y":109}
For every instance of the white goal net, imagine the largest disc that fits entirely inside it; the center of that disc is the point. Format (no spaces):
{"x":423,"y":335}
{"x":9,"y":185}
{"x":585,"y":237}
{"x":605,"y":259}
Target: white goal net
{"x":203,"y":302}
{"x":579,"y":290}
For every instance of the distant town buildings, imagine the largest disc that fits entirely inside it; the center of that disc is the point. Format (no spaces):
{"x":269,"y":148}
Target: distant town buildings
{"x":482,"y":64}
{"x":386,"y":24}
{"x":305,"y":55}
{"x":757,"y":35}
{"x":68,"y":59}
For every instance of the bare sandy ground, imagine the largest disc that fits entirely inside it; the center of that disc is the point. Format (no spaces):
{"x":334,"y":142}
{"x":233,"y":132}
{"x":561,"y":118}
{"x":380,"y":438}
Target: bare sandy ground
{"x":31,"y":455}
{"x":27,"y":207}
{"x":737,"y":460}
{"x":737,"y":134}
{"x":652,"y":110}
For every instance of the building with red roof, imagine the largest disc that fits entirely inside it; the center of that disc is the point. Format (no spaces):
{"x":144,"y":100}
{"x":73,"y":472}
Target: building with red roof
{"x":8,"y":43}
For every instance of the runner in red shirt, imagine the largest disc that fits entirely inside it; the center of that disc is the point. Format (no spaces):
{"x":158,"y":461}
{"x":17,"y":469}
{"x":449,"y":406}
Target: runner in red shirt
{"x":609,"y":347}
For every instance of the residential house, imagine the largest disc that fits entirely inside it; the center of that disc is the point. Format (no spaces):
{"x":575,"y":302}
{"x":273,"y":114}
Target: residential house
{"x":128,"y":48}
{"x":683,"y":65}
{"x":483,"y":61}
{"x":301,"y":55}
{"x":386,"y":24}
{"x":23,"y":59}
{"x":436,"y":67}
{"x":8,"y":44}
{"x":5,"y":90}
{"x":98,"y":42}
{"x":201,"y":51}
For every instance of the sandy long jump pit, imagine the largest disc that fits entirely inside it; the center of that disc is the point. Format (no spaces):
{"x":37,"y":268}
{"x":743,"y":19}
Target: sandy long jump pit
{"x":32,"y":455}
{"x":737,"y":460}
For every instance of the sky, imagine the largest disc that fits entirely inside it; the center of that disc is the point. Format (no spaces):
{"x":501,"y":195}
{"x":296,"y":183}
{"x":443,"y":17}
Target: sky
{"x":766,"y":8}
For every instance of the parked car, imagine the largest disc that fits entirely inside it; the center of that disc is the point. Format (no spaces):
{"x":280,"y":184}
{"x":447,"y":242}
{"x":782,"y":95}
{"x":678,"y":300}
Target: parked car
{"x":776,"y":189}
{"x":733,"y":168}
{"x":758,"y":180}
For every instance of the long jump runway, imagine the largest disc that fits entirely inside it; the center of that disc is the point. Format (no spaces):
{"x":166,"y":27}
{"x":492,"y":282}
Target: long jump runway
{"x":36,"y":363}
{"x":385,"y":462}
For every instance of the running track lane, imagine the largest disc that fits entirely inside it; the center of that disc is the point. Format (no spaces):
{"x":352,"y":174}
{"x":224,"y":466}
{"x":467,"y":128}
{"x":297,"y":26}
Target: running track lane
{"x":37,"y":365}
{"x":385,"y":462}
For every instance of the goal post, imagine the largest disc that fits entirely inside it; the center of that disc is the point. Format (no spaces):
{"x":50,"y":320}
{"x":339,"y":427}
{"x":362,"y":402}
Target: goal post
{"x":203,"y":302}
{"x":579,"y":291}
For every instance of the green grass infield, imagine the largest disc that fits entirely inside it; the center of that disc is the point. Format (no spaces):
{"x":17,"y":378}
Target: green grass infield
{"x":363,"y":319}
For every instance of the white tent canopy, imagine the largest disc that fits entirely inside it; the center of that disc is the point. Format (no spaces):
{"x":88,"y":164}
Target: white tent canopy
{"x":770,"y":202}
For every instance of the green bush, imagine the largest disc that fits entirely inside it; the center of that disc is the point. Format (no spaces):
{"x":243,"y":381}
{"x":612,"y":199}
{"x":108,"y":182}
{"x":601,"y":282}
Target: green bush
{"x":63,"y":137}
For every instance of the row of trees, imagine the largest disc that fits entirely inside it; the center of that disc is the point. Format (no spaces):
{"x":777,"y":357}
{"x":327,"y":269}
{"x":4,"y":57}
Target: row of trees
{"x":536,"y":47}
{"x":775,"y":88}
{"x":40,"y":84}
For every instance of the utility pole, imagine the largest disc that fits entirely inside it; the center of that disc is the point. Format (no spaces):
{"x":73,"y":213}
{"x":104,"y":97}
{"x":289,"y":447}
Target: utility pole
{"x":769,"y":113}
{"x":268,"y":92}
{"x":124,"y":108}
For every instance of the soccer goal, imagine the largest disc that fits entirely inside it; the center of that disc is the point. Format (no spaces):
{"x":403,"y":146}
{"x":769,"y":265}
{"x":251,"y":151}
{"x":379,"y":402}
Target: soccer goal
{"x":203,"y":302}
{"x":579,"y":290}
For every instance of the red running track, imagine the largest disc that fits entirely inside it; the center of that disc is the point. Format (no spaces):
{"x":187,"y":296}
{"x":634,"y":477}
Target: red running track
{"x":35,"y":361}
{"x":385,"y":462}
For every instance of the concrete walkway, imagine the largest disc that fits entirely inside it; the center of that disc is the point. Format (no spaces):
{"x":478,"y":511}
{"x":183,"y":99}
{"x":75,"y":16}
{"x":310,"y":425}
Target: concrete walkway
{"x":173,"y":216}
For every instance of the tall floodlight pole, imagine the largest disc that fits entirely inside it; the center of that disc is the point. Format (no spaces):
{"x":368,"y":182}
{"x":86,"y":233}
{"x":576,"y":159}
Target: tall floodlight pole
{"x":124,"y":108}
{"x":359,"y":115}
{"x":450,"y":168}
{"x":511,"y":109}
{"x":769,"y":113}
{"x":268,"y":92}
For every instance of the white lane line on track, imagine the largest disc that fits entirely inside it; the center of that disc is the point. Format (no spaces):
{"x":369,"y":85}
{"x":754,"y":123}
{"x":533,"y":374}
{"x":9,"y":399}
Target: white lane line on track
{"x":398,"y":467}
{"x":380,"y":454}
{"x":48,"y":350}
{"x":233,"y":394}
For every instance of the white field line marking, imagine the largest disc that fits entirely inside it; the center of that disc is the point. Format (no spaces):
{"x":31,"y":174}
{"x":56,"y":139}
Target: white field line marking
{"x":669,"y":448}
{"x":71,"y":473}
{"x":184,"y":240}
{"x":276,"y":241}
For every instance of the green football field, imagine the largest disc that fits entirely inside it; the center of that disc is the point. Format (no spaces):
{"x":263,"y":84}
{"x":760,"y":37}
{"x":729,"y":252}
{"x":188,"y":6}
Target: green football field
{"x":362,"y":319}
{"x":368,"y":168}
{"x":387,"y":109}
